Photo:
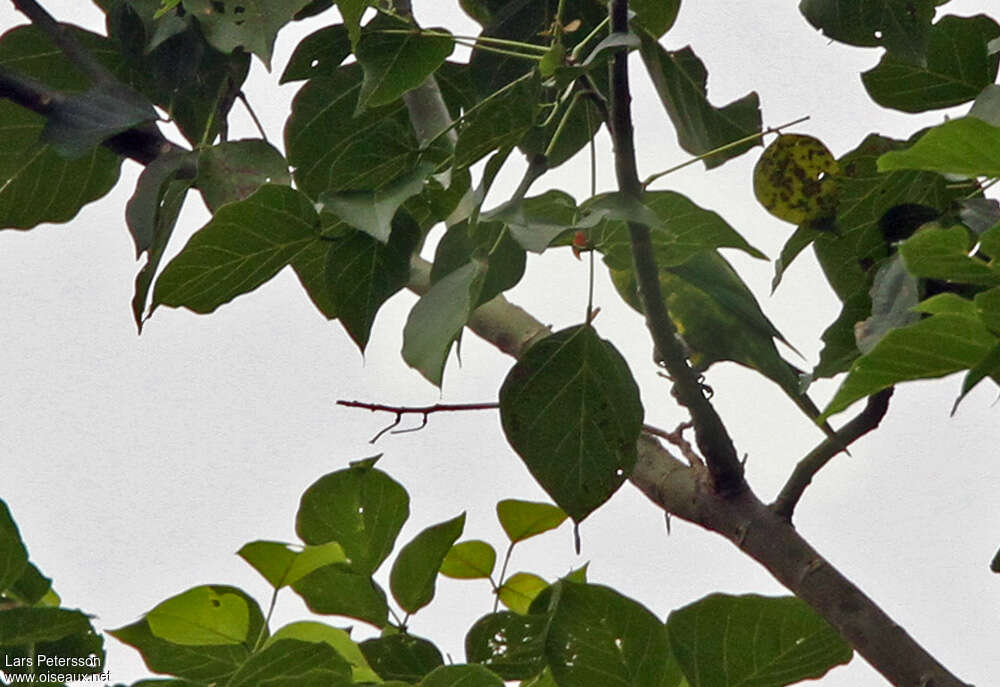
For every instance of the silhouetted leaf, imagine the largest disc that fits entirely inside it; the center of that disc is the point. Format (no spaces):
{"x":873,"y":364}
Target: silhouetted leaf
{"x":416,"y":567}
{"x":401,"y":657}
{"x":900,"y":26}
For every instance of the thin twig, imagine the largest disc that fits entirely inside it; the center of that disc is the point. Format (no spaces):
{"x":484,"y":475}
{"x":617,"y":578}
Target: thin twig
{"x":677,"y":439}
{"x":710,"y":433}
{"x":400,"y":411}
{"x":867,"y":420}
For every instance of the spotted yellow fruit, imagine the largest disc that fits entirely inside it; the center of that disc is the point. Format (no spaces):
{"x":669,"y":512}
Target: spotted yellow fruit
{"x":795,"y":180}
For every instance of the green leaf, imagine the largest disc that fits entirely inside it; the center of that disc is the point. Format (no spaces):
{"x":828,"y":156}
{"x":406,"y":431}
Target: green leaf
{"x":351,"y":11}
{"x":244,"y":245}
{"x":319,"y":54}
{"x":233,"y":170}
{"x":679,"y":229}
{"x":656,"y":16}
{"x":31,"y":588}
{"x":900,"y":26}
{"x":510,"y":644}
{"x":795,"y":244}
{"x":987,"y":105}
{"x":485,"y":241}
{"x":21,"y":625}
{"x":360,"y":508}
{"x":438,"y":318}
{"x":13,"y":554}
{"x":599,"y":637}
{"x":291,"y":659}
{"x":208,"y":663}
{"x":339,"y":589}
{"x":331,"y":150}
{"x":680,"y":79}
{"x":498,"y":122}
{"x":795,"y":180}
{"x":83,"y":650}
{"x":535,"y":222}
{"x":469,"y":560}
{"x":201,"y":616}
{"x":519,"y":591}
{"x":461,"y":676}
{"x":524,"y":519}
{"x":840,"y":346}
{"x":310,"y":268}
{"x":571,"y":410}
{"x":372,"y":211}
{"x":416,"y":567}
{"x":933,"y":347}
{"x":340,"y":640}
{"x":395,"y":63}
{"x":282,"y":565}
{"x":363,"y":273}
{"x":248,"y":24}
{"x":81,"y":121}
{"x":894,"y":294}
{"x":967,"y":146}
{"x":989,"y":366}
{"x":401,"y":657}
{"x":988,"y":308}
{"x":957,"y":68}
{"x":943,"y":253}
{"x":723,"y":641}
{"x":143,"y":210}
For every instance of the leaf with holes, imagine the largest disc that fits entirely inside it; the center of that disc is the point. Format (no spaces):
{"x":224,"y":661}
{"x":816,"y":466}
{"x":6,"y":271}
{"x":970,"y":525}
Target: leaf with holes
{"x":319,"y":54}
{"x":571,"y":410}
{"x":282,"y":565}
{"x":795,"y":181}
{"x":201,"y":616}
{"x":249,"y":24}
{"x":597,"y":637}
{"x":723,"y":641}
{"x":681,"y":81}
{"x":244,"y":245}
{"x":957,"y":68}
{"x":900,"y":26}
{"x":510,"y":644}
{"x":360,"y":508}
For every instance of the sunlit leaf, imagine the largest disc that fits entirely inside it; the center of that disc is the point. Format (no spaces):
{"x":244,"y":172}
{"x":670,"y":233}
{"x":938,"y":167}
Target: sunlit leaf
{"x":291,"y":660}
{"x":795,"y":180}
{"x":340,"y":640}
{"x":201,"y":616}
{"x":461,"y":676}
{"x":966,"y":146}
{"x":519,"y":590}
{"x":524,"y":519}
{"x":469,"y":560}
{"x":282,"y":565}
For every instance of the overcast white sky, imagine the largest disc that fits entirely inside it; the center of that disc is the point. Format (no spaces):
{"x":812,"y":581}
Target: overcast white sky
{"x":137,"y":466}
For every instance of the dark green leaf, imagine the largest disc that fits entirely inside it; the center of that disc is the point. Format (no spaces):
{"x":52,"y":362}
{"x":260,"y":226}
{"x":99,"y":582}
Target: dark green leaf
{"x":318,"y":54}
{"x":840,"y":347}
{"x":340,"y":640}
{"x":598,"y":637}
{"x":81,"y":121}
{"x":656,"y":16}
{"x":401,"y":657}
{"x":83,"y":652}
{"x":143,"y":210}
{"x":524,"y":519}
{"x":199,"y":663}
{"x":509,"y":644}
{"x":487,"y":241}
{"x":966,"y":146}
{"x":395,"y":63}
{"x":360,"y":508}
{"x":363,"y":273}
{"x":957,"y":68}
{"x":943,"y":253}
{"x":233,"y":170}
{"x":310,"y":268}
{"x":469,"y":560}
{"x":416,"y":567}
{"x":679,"y":230}
{"x":13,"y":554}
{"x":989,"y":366}
{"x":795,"y":244}
{"x":723,"y":641}
{"x":31,"y":587}
{"x":248,"y":24}
{"x":680,"y":79}
{"x":332,"y":151}
{"x":282,"y":565}
{"x":900,"y":26}
{"x":933,"y":347}
{"x":201,"y":616}
{"x":244,"y":245}
{"x":351,"y":11}
{"x":988,"y":308}
{"x":292,"y":659}
{"x":338,"y":589}
{"x":438,"y":318}
{"x":461,"y":676}
{"x":499,"y":122}
{"x":572,"y":127}
{"x":571,"y":410}
{"x":21,"y":625}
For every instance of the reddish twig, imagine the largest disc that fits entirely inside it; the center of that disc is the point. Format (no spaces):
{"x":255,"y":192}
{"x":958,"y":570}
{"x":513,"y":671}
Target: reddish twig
{"x":400,"y":411}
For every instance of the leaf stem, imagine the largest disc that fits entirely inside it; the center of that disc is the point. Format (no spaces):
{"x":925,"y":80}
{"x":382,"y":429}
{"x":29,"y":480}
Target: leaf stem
{"x":721,"y":149}
{"x":500,"y":42}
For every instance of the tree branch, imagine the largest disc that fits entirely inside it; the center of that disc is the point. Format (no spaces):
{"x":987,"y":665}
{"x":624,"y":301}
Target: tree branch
{"x":400,"y":411}
{"x":710,"y":433}
{"x":65,"y":41}
{"x":867,"y":420}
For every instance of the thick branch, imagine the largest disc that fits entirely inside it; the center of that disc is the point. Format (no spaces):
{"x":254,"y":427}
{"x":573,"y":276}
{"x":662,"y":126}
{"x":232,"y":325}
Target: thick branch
{"x":710,"y":433}
{"x":867,"y":420}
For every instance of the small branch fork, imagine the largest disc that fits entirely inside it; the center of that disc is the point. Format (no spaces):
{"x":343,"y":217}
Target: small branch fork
{"x":425,"y":411}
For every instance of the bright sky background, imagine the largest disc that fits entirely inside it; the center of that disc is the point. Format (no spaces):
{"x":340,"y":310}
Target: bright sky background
{"x":137,"y":466}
